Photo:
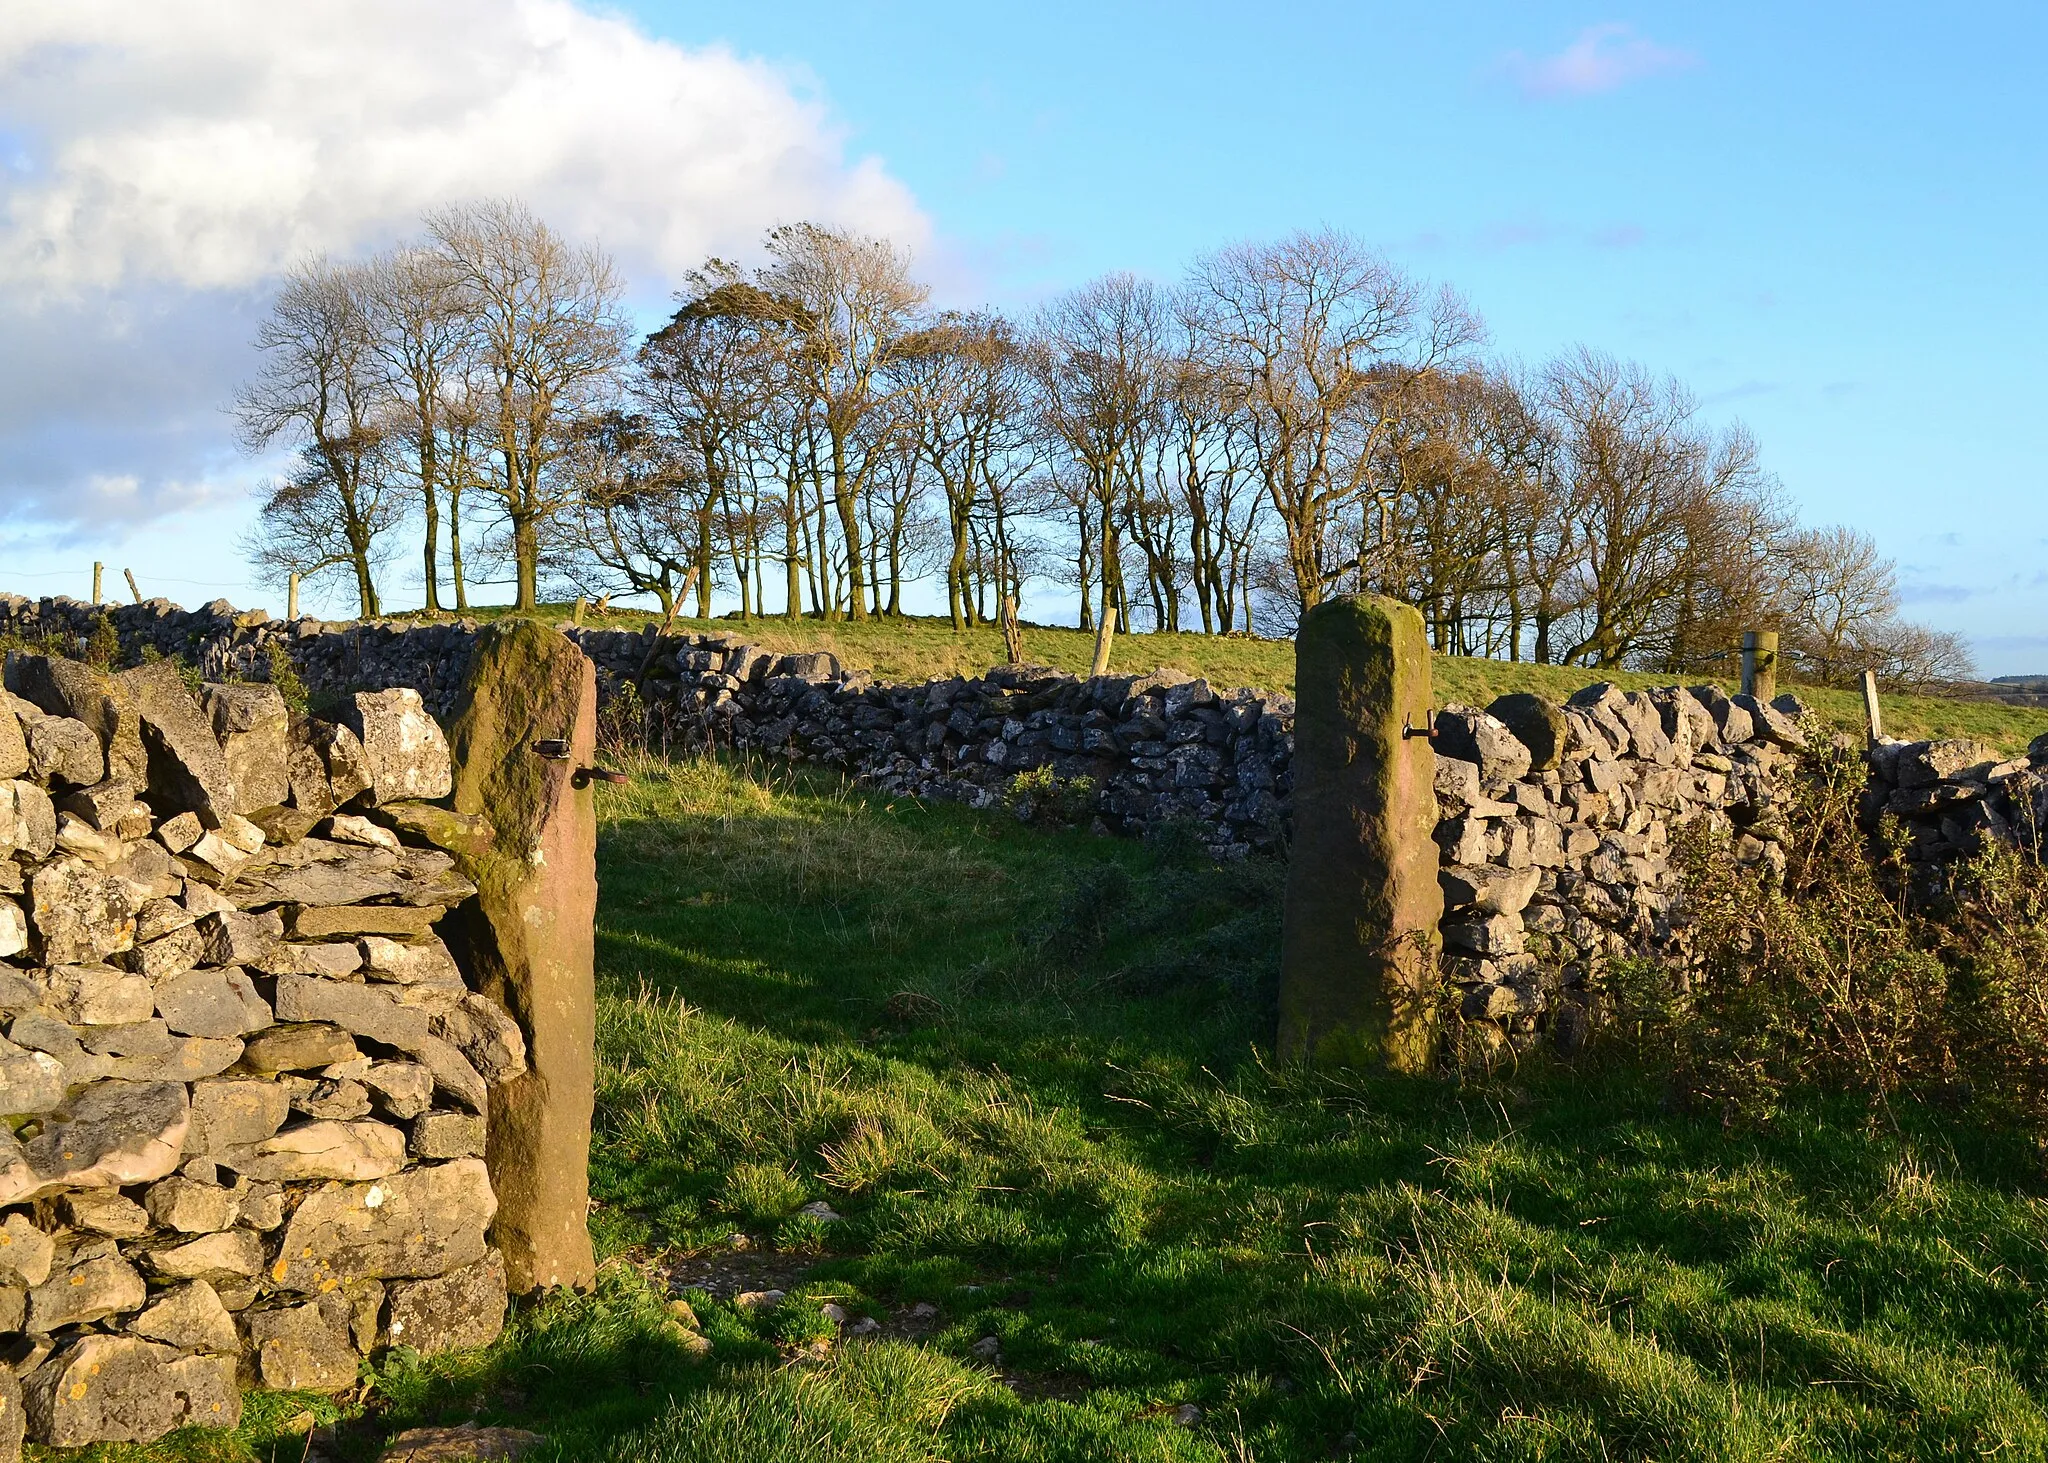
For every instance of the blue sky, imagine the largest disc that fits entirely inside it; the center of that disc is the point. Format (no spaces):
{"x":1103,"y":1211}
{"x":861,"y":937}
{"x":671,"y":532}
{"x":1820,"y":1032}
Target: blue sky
{"x":1825,"y":218}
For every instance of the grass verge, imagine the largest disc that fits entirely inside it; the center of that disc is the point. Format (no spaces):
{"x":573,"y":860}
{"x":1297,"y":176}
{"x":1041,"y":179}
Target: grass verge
{"x":1026,"y":1069}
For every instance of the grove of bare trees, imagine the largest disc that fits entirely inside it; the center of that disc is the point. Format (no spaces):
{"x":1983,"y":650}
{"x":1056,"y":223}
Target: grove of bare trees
{"x":1292,"y":420}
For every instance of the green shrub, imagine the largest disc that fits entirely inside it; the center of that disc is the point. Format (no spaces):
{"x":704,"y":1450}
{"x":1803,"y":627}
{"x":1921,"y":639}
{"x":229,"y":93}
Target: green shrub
{"x":1043,"y":798}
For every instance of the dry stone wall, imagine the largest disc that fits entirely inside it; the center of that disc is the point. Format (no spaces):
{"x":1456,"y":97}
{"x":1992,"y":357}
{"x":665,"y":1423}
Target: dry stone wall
{"x":246,"y":1085}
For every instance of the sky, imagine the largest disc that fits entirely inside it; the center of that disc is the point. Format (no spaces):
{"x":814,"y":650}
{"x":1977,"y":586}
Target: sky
{"x":1827,"y":219}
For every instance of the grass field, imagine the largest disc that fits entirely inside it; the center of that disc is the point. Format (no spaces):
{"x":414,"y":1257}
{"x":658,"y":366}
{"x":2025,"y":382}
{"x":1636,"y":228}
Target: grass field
{"x":1027,"y":1069}
{"x":917,"y":648}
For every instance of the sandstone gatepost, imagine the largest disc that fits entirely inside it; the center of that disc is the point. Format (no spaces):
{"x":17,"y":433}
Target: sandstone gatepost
{"x":298,"y":1030}
{"x":1358,"y":947}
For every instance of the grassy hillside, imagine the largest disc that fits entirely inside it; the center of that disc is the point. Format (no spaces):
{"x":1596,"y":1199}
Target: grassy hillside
{"x":918,"y":648}
{"x":1028,"y":1070}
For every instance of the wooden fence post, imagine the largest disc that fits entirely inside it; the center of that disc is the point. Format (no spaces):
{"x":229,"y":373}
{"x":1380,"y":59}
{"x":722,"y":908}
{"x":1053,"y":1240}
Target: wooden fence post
{"x":1760,"y":664}
{"x":1872,"y":714}
{"x":1013,"y":637}
{"x":129,"y":574}
{"x":1360,"y":933}
{"x":291,"y":597}
{"x":96,"y":570}
{"x":1104,"y":637}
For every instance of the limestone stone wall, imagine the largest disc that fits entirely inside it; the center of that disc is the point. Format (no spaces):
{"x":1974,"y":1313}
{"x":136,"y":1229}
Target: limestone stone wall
{"x":246,"y":1084}
{"x":1557,"y":832}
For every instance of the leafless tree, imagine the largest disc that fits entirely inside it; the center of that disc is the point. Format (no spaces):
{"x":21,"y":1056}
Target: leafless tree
{"x":549,"y":334}
{"x":319,"y":390}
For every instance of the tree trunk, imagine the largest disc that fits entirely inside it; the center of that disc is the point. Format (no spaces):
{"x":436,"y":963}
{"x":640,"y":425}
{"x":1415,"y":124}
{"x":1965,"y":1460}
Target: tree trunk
{"x":849,"y":530}
{"x":455,"y":548}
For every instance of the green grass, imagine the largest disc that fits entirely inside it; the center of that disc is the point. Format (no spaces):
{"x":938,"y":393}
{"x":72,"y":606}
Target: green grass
{"x":1027,"y":1069}
{"x":916,"y":648}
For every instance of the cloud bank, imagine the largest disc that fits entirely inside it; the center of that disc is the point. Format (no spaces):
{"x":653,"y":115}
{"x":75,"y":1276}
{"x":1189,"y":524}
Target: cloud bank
{"x":1601,"y":58}
{"x":160,"y":163}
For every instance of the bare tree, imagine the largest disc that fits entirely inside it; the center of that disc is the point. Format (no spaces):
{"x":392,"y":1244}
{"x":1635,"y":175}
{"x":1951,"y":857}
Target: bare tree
{"x":1323,"y":339}
{"x":320,"y":391}
{"x":549,"y":334}
{"x":855,"y":301}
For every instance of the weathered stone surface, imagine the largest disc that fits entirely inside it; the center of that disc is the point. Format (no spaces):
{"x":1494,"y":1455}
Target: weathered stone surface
{"x":96,"y":995}
{"x":1921,"y":764}
{"x":1474,"y":736}
{"x":439,"y":1135}
{"x":348,"y":767}
{"x":125,"y":1390}
{"x":425,"y":963}
{"x":110,"y":1135}
{"x":354,"y":828}
{"x":233,"y":938}
{"x":191,"y":1207}
{"x":28,"y":820}
{"x":320,"y":872}
{"x":401,"y":1089}
{"x":1489,"y":888}
{"x":375,"y":1012}
{"x":1363,"y":902}
{"x":253,"y":726}
{"x":81,"y":913}
{"x":1732,"y":725}
{"x":403,"y":747}
{"x":65,"y":753}
{"x":1490,"y":935}
{"x":187,"y":770}
{"x":216,"y":1003}
{"x":281,"y":826}
{"x":1773,"y":725}
{"x":311,"y":794}
{"x":1537,"y":723}
{"x":191,"y":1318}
{"x":457,"y":1311}
{"x":13,"y":1417}
{"x":528,"y":938}
{"x":466,"y":835}
{"x":482,"y":1032}
{"x":188,"y":1059}
{"x":30,"y":1081}
{"x":232,"y":1255}
{"x":13,"y":744}
{"x":69,"y":689}
{"x":104,"y":1211}
{"x":13,"y":928}
{"x":298,"y":1046}
{"x":167,"y":954}
{"x":425,"y":1221}
{"x":145,"y":1038}
{"x":106,"y":1285}
{"x":26,"y":1252}
{"x":303,"y":1348}
{"x":102,"y":806}
{"x":466,"y":1443}
{"x":180,"y":831}
{"x":336,"y":960}
{"x":321,"y":1150}
{"x":399,"y":921}
{"x":261,"y":1205}
{"x":341,"y":1099}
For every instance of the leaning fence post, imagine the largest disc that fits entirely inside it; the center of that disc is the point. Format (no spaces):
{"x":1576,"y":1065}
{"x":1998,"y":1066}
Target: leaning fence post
{"x":1871,"y":712}
{"x":1360,"y":933}
{"x":1760,"y":664}
{"x":1105,"y":636}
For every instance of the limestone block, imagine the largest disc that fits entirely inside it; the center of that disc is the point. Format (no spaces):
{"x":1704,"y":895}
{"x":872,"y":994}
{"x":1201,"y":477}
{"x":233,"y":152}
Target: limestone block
{"x":427,"y":962}
{"x":457,"y":1311}
{"x":1774,"y":726}
{"x":375,"y":1012}
{"x":187,"y":771}
{"x":306,"y":770}
{"x":191,"y":1318}
{"x":234,"y":938}
{"x":126,"y":1390}
{"x":1474,"y":736}
{"x":401,"y":1089}
{"x":303,"y":1348}
{"x":439,"y":1135}
{"x":398,"y":921}
{"x":30,"y":1081}
{"x":479,"y":1028}
{"x":168,"y":954}
{"x":106,"y":1285}
{"x":96,"y":995}
{"x":321,"y":1150}
{"x":220,"y":1259}
{"x":337,"y":960}
{"x":191,"y":1207}
{"x":1732,"y":725}
{"x":425,"y":1221}
{"x":348,"y":767}
{"x":403,"y":747}
{"x":109,"y":1135}
{"x":298,"y":1046}
{"x":253,"y":726}
{"x":1488,"y":888}
{"x":180,"y":831}
{"x":65,"y":753}
{"x":81,"y":913}
{"x":1538,"y":724}
{"x":102,"y":703}
{"x":104,"y":1211}
{"x":215,"y":1003}
{"x":28,"y":820}
{"x":1457,"y":782}
{"x":102,"y":806}
{"x":354,"y":828}
{"x":26,"y":1252}
{"x":1492,"y":935}
{"x":14,"y":760}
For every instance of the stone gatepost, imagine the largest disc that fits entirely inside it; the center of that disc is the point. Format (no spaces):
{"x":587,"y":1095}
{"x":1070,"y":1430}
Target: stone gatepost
{"x":523,"y":736}
{"x":1359,"y":944}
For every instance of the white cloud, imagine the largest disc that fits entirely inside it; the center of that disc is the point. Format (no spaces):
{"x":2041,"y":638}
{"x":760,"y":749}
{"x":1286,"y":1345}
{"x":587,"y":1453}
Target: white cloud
{"x":1599,"y":59}
{"x":159,"y":163}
